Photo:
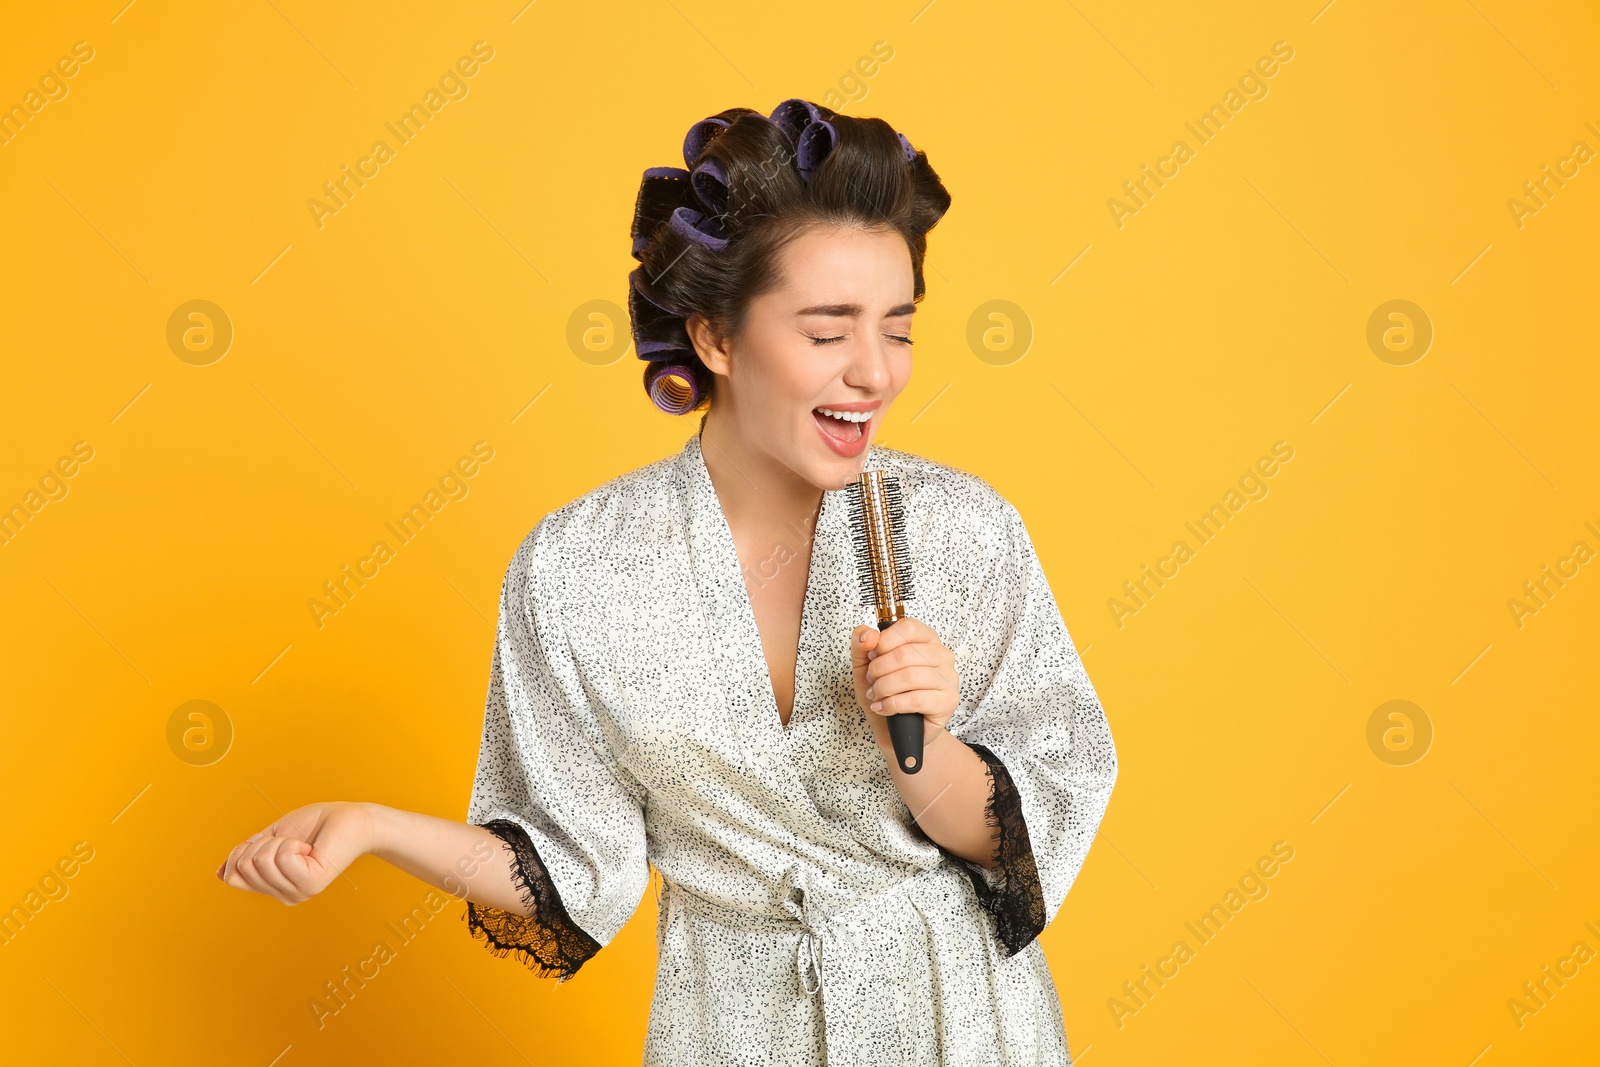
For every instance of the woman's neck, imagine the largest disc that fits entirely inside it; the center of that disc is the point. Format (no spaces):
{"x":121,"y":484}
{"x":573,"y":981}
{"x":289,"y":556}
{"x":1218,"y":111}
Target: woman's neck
{"x":756,"y":492}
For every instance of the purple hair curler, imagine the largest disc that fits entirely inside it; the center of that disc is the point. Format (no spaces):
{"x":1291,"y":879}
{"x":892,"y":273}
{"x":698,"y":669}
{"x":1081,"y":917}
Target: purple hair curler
{"x":639,"y":300}
{"x":794,"y":115}
{"x":816,"y":141}
{"x":702,"y":230}
{"x":710,"y":184}
{"x":673,"y":389}
{"x":700,"y":134}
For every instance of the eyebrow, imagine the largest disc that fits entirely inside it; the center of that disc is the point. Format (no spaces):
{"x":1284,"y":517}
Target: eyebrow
{"x":851,"y":311}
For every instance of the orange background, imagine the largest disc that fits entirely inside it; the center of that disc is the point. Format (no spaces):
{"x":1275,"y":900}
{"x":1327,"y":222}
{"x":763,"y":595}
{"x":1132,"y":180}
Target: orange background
{"x":1140,"y":365}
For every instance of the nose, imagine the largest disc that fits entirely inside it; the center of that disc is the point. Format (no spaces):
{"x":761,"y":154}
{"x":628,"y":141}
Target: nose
{"x":868,"y":368}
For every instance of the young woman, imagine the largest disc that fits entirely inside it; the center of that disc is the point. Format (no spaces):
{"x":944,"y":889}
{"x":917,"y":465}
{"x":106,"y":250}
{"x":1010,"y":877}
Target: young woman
{"x":685,"y":675}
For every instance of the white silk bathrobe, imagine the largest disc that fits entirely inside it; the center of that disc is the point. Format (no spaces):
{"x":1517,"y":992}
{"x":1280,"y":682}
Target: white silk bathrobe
{"x":804,"y":918}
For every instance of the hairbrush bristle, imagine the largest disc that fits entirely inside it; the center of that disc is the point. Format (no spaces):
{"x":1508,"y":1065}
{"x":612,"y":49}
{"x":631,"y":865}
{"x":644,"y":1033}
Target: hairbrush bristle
{"x":897,"y":528}
{"x":859,"y":544}
{"x":884,"y":570}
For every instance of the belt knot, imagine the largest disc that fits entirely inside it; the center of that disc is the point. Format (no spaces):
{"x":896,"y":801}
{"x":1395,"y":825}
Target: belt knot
{"x":800,"y":903}
{"x":803,"y":909}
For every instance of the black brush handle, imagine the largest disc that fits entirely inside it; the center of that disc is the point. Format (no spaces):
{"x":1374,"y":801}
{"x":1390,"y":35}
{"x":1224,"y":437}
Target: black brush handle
{"x":905,"y":731}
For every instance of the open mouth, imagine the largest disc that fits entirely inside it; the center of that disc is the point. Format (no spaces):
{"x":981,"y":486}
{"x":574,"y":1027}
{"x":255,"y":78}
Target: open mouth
{"x":845,"y":426}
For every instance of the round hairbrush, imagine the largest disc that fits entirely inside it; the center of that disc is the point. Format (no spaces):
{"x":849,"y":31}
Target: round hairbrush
{"x":877,"y":513}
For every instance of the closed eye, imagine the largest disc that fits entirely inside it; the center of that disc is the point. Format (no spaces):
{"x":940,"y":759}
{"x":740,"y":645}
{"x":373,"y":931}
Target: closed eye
{"x":831,"y":340}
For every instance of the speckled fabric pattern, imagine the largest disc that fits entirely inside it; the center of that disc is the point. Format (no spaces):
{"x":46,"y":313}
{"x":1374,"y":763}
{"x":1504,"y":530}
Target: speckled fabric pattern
{"x":804,"y":918}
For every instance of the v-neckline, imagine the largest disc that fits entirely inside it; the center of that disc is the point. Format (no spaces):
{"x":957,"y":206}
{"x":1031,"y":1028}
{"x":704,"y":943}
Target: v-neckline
{"x":725,"y":594}
{"x":816,"y":565}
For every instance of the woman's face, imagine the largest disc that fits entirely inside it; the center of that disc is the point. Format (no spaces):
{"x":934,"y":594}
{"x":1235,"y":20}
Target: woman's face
{"x":828,"y":337}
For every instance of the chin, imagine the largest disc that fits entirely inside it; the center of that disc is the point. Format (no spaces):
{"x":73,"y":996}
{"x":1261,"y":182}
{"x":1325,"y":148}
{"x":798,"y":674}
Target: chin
{"x":836,"y":472}
{"x":843,"y":480}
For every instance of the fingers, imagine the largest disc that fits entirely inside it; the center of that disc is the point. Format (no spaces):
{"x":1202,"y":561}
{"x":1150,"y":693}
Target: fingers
{"x":904,"y":669}
{"x":267,"y":866}
{"x":228,"y":872}
{"x":900,"y":691}
{"x":254,"y":865}
{"x":242,"y":865}
{"x":926,"y":702}
{"x":863,"y":639}
{"x":225,"y":871}
{"x":906,"y":629}
{"x":240,"y":869}
{"x":295,"y":862}
{"x":917,"y":654}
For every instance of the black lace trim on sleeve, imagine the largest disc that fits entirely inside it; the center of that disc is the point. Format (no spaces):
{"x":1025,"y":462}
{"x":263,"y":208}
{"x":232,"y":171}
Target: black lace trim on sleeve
{"x":1015,"y":899}
{"x":547,"y":942}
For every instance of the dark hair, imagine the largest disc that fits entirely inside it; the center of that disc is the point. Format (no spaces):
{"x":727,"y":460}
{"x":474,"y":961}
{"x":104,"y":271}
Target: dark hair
{"x":707,"y":238}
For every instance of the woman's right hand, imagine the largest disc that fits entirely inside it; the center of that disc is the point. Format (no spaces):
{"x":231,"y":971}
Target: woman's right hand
{"x":301,"y":854}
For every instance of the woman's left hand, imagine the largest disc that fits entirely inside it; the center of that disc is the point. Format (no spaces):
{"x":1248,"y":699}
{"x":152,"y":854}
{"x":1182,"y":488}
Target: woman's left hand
{"x":905,"y":668}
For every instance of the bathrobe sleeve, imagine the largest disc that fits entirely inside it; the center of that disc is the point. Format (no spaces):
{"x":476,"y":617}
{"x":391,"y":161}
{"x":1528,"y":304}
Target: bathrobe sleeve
{"x":1029,"y":710}
{"x":549,"y":787}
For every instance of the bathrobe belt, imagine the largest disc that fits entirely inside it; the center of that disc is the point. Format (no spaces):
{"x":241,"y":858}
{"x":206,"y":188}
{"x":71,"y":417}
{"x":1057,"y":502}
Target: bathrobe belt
{"x":822,"y":933}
